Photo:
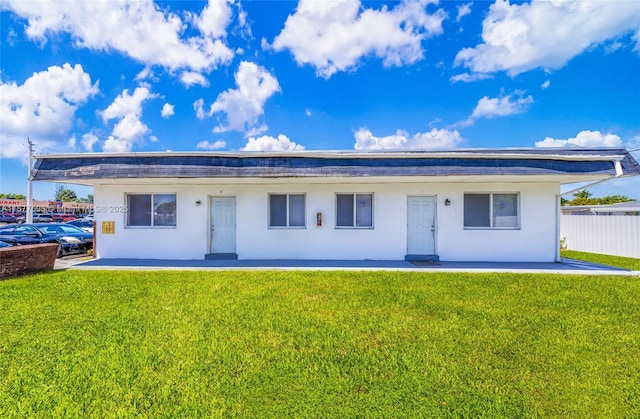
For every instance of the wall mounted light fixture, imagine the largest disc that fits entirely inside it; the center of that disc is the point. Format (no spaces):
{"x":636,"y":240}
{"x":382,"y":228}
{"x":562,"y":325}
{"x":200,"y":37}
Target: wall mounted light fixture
{"x":447,"y":202}
{"x":198,"y":202}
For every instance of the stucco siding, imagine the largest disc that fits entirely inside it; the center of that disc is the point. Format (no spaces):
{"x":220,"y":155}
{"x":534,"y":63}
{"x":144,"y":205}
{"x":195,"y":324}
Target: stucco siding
{"x":535,"y":240}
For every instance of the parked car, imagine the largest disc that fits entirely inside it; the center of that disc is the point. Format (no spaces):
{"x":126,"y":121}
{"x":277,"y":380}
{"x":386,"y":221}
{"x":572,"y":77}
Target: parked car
{"x":37,"y":218}
{"x":42,"y":218}
{"x":70,"y":239}
{"x":4,"y":244}
{"x":8,"y":218}
{"x":62,"y":218}
{"x":85,"y":224}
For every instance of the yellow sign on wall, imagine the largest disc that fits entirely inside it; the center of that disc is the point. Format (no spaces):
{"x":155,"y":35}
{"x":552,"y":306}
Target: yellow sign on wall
{"x":108,"y":227}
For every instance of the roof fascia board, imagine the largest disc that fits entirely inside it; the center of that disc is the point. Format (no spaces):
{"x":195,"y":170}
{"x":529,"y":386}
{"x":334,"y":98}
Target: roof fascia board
{"x":478,"y":154}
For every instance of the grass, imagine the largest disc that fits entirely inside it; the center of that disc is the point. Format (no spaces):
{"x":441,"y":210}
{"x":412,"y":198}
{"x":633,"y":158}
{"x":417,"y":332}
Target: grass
{"x":319,"y":344}
{"x":631,"y":264}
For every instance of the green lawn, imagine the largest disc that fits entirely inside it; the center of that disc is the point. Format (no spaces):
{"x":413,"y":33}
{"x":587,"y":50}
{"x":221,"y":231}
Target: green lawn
{"x":319,"y":344}
{"x":632,"y":264}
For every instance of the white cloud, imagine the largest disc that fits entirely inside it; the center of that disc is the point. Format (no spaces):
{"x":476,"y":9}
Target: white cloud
{"x":468,"y":78}
{"x":243,"y":28}
{"x":146,"y":73}
{"x":463,"y":10}
{"x":507,"y":105}
{"x":167,"y":111}
{"x":12,"y":37}
{"x":268,"y":143}
{"x":43,"y":108}
{"x":308,"y":112}
{"x":436,"y":138}
{"x":129,"y":129}
{"x":520,"y":37}
{"x":243,"y":106}
{"x":72,"y":141}
{"x":116,"y":145}
{"x":613,"y":47}
{"x":214,"y":19}
{"x":198,"y":106}
{"x":206,"y":145}
{"x":138,"y":28}
{"x":190,"y":78}
{"x":142,"y":75}
{"x":126,"y":104}
{"x":583,"y":139}
{"x":545,"y":85}
{"x":334,"y":36}
{"x":88,"y":140}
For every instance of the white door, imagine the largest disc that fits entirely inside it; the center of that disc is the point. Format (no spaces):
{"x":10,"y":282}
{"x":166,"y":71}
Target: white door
{"x":223,"y":225}
{"x":421,"y":219}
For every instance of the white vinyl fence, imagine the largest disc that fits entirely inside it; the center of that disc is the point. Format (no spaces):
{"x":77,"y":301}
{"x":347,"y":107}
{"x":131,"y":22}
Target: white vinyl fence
{"x":617,"y":235}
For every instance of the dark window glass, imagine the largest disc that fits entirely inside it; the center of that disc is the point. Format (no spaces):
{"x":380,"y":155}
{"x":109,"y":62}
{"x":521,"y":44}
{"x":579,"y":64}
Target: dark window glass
{"x":477,"y":212}
{"x":345,"y":210}
{"x":354,"y":210}
{"x":296,"y":211}
{"x":277,"y":210}
{"x":497,"y":210}
{"x":139,"y":213}
{"x":287,"y":210}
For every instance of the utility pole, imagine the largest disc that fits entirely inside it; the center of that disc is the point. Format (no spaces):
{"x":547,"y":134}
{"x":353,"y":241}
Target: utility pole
{"x":29,"y":214}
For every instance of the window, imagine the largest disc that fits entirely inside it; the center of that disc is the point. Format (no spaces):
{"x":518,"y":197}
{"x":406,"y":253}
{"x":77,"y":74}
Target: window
{"x":287,"y":210}
{"x":151,"y":210}
{"x":7,"y":230}
{"x":491,"y":210}
{"x":354,"y":210}
{"x":26,"y":230}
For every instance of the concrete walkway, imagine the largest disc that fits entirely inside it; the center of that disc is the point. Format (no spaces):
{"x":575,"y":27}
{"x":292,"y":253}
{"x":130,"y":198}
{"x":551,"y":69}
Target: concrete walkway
{"x":565,"y":267}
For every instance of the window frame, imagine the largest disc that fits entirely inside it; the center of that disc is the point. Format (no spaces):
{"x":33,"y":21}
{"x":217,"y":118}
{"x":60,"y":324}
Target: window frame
{"x":354,"y":219}
{"x":491,"y":225}
{"x":152,"y":225}
{"x":288,"y":225}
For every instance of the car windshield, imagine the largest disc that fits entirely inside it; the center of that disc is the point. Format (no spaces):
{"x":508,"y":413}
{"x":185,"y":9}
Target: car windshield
{"x":24,"y":230}
{"x":52,"y":229}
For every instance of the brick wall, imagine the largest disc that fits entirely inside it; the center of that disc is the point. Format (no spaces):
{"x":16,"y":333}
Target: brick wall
{"x":20,"y":260}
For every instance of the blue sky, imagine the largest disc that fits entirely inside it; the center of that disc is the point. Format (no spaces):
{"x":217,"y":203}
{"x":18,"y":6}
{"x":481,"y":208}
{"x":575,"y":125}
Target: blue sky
{"x":139,"y":75}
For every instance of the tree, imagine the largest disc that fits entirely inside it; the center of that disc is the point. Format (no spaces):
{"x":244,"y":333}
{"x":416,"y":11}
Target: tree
{"x":614,"y":199}
{"x":65,"y":194}
{"x":12,"y":196}
{"x":583,"y":194}
{"x":584,"y":197}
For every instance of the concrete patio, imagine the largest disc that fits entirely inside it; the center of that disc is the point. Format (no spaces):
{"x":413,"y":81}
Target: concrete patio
{"x":566,"y":266}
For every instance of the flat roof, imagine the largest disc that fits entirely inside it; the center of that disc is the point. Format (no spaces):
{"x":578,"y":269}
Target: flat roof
{"x":502,"y":153}
{"x":595,"y":163}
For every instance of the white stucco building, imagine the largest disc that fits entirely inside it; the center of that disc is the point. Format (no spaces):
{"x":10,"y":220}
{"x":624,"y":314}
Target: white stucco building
{"x":460,"y":205}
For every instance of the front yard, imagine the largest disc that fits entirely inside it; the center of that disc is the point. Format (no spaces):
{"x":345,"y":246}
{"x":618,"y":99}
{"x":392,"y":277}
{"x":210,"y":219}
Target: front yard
{"x":631,"y":264}
{"x":319,"y":344}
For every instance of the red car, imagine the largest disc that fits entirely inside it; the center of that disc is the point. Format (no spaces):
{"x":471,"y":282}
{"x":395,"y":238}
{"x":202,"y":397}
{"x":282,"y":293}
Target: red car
{"x":62,"y":218}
